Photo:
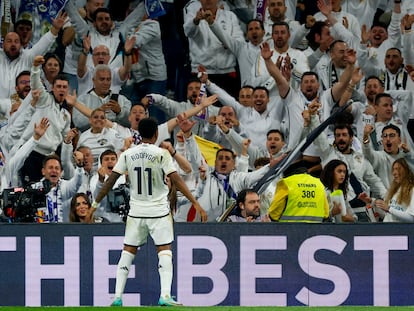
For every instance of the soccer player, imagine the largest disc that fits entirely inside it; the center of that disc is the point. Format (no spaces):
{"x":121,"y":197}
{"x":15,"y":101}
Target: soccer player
{"x":149,"y":213}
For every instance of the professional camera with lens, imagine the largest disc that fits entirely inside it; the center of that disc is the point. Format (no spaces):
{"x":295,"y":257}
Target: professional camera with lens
{"x":118,"y":200}
{"x":22,"y":204}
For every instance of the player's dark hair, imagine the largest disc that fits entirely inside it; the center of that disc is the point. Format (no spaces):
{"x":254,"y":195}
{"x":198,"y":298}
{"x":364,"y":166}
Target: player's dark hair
{"x":147,"y":127}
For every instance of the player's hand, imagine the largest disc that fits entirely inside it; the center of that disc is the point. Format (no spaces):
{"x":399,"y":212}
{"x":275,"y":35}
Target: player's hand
{"x":202,"y":212}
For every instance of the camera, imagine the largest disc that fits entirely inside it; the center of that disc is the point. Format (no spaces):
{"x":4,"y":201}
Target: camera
{"x":118,"y":200}
{"x":22,"y":204}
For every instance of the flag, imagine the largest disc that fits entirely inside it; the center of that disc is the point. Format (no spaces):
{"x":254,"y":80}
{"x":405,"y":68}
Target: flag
{"x":154,"y":8}
{"x":208,"y":149}
{"x":55,"y":7}
{"x":261,"y":9}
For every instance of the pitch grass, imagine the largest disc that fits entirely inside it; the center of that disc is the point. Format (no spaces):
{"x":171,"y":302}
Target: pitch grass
{"x":146,"y":308}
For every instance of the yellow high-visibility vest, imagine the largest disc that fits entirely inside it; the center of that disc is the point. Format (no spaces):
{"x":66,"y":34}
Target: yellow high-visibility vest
{"x":306,"y":200}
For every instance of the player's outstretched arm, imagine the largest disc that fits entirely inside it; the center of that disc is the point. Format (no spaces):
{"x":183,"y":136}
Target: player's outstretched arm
{"x":180,"y":184}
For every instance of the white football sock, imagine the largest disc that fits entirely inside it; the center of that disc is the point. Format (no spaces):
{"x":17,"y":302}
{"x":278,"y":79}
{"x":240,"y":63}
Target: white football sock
{"x":122,"y":272}
{"x":165,"y":269}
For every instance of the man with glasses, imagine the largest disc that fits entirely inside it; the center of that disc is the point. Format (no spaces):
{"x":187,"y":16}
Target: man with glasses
{"x":384,"y":115}
{"x":9,"y":105}
{"x":382,"y":160}
{"x":101,"y":55}
{"x":104,"y":31}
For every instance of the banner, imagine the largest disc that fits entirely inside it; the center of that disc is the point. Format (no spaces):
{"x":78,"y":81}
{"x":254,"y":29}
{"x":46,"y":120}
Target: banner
{"x":246,"y":264}
{"x":45,"y":9}
{"x":154,"y":8}
{"x":261,"y":10}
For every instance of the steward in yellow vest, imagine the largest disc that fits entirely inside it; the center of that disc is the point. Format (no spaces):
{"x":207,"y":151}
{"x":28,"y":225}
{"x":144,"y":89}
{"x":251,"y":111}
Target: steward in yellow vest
{"x":299,"y":197}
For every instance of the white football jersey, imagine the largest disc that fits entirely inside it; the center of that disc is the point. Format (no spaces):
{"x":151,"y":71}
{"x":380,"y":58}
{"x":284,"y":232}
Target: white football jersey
{"x":147,"y":166}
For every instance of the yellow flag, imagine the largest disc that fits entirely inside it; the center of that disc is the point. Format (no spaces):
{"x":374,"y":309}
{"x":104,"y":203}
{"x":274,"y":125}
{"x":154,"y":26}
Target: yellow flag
{"x":208,"y":149}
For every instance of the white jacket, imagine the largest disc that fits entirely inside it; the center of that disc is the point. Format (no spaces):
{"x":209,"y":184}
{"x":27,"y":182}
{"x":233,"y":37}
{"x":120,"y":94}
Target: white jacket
{"x":10,"y":69}
{"x":151,"y":62}
{"x":205,"y":48}
{"x":59,"y":118}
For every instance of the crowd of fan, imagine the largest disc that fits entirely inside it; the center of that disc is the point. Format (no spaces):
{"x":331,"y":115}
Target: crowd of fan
{"x":71,"y":102}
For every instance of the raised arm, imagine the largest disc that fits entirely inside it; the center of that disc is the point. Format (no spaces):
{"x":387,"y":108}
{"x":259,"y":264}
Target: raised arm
{"x":394,"y":30}
{"x":35,"y":80}
{"x":342,"y":32}
{"x":347,"y":94}
{"x":83,"y":57}
{"x":281,"y":82}
{"x":367,"y":67}
{"x":193,"y":152}
{"x":47,"y":40}
{"x":126,"y":68}
{"x":228,"y":41}
{"x":15,"y":162}
{"x":182,"y":162}
{"x":133,"y":19}
{"x":339,"y":88}
{"x":80,"y":25}
{"x":106,"y":187}
{"x":205,"y":102}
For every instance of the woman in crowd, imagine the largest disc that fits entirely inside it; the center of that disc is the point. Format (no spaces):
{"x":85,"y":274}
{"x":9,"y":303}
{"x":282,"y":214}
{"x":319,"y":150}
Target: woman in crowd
{"x":81,"y":210}
{"x":335,"y":176}
{"x":51,"y":68}
{"x":399,"y":202}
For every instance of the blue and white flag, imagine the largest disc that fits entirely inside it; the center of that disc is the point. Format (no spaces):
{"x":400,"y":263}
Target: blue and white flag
{"x":55,"y":7}
{"x":154,"y":8}
{"x":45,"y":9}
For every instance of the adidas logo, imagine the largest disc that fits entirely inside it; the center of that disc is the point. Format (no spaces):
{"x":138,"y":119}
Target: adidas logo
{"x":124,"y":268}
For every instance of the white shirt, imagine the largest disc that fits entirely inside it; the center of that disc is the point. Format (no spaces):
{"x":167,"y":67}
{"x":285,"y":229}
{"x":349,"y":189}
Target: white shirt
{"x":10,"y":69}
{"x":147,"y":166}
{"x":261,"y":77}
{"x":204,"y":46}
{"x":93,"y":101}
{"x":85,"y":84}
{"x":400,"y":212}
{"x":99,"y":142}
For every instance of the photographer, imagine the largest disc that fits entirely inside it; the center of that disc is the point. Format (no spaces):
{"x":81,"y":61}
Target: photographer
{"x":59,"y":192}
